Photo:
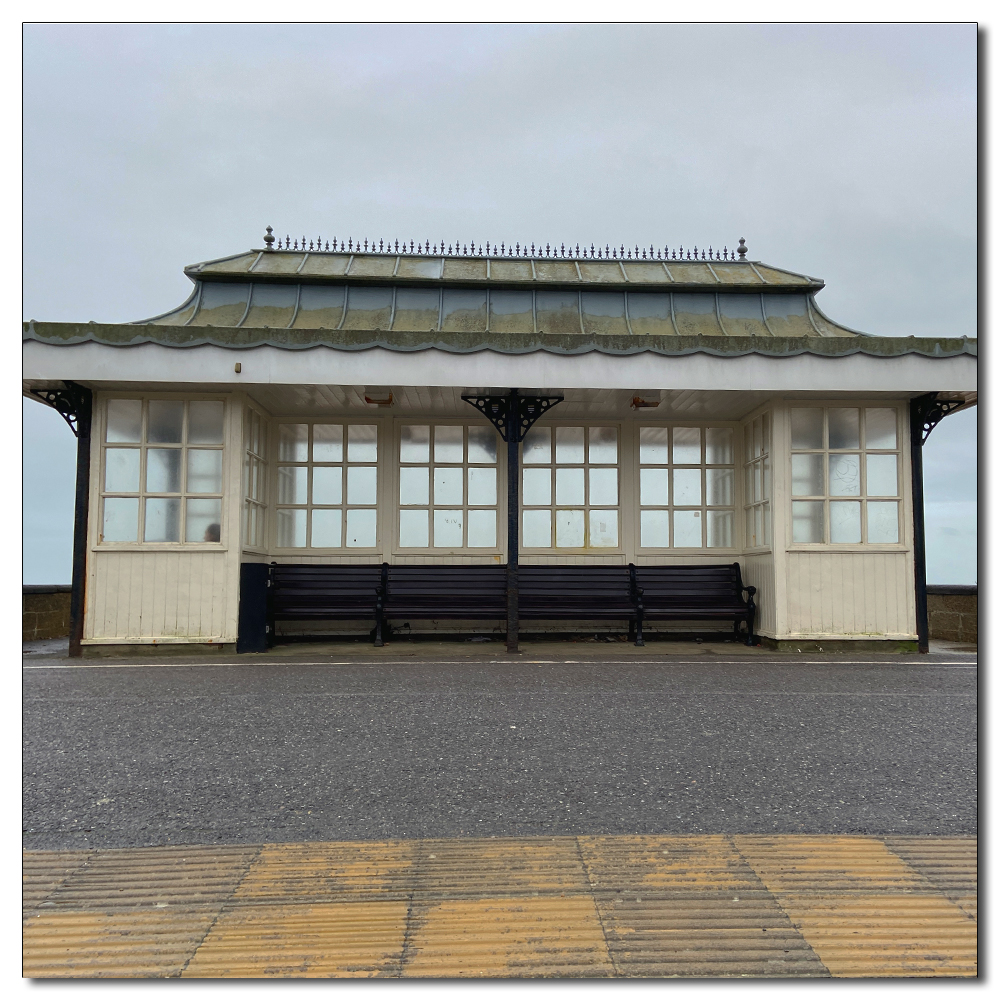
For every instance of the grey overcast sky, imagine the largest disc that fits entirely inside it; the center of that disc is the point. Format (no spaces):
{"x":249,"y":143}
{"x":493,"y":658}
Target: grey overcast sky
{"x":842,"y":151}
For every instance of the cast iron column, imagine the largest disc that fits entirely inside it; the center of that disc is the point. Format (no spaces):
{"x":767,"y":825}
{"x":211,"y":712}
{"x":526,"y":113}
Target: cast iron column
{"x":513,"y":519}
{"x":919,"y":545}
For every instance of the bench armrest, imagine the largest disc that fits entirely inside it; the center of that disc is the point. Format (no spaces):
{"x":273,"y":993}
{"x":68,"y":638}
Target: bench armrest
{"x":749,"y":590}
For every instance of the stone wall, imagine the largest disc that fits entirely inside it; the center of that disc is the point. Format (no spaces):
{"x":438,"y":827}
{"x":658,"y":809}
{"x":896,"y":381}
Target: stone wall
{"x":953,"y":612}
{"x":45,"y":612}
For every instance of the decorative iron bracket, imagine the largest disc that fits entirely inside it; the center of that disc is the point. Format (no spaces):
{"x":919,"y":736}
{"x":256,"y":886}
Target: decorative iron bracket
{"x":930,"y":411}
{"x":529,"y":409}
{"x":70,"y":403}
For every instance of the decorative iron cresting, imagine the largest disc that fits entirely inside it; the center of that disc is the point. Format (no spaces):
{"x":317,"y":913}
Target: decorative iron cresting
{"x":529,"y":409}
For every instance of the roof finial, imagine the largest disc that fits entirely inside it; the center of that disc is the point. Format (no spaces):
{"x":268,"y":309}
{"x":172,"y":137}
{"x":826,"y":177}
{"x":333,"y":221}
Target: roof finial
{"x":269,"y":239}
{"x":742,"y":249}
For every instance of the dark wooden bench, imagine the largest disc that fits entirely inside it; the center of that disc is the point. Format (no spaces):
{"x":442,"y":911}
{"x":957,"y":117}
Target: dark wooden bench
{"x":588,"y":593}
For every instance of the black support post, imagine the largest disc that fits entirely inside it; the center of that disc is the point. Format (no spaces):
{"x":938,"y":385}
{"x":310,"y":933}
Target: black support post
{"x":513,"y":521}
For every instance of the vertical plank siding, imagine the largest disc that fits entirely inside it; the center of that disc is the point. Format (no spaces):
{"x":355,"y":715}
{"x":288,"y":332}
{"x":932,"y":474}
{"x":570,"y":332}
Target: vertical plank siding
{"x":758,"y":571}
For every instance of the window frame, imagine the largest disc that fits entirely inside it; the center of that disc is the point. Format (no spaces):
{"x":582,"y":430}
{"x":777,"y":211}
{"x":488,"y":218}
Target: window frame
{"x":765,"y":461}
{"x":260,"y":460}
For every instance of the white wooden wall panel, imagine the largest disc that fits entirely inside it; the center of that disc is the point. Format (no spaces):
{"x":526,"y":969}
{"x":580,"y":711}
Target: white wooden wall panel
{"x":758,"y":571}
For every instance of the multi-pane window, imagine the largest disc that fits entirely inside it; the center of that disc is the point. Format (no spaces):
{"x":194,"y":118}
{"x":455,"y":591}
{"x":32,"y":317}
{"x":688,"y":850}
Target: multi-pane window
{"x":757,"y":481}
{"x":327,"y":491}
{"x":254,"y":479}
{"x":569,"y":488}
{"x":845,"y":475}
{"x":686,"y":487}
{"x":447,"y":486}
{"x":162,"y":477}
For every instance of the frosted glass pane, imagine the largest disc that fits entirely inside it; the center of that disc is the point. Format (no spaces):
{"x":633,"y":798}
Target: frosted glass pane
{"x":719,"y":484}
{"x":124,"y":421}
{"x":603,"y":487}
{"x":413,"y":529}
{"x":482,"y":529}
{"x":414,"y":444}
{"x":483,"y":487}
{"x":654,"y":529}
{"x":448,"y":446}
{"x":720,"y":529}
{"x":360,"y":528}
{"x":362,"y":443}
{"x":845,"y":427}
{"x":482,"y":445}
{"x":163,"y":521}
{"x":447,"y":486}
{"x":687,"y":487}
{"x":537,"y":486}
{"x":687,"y":445}
{"x":765,"y":424}
{"x":604,"y":529}
{"x":766,"y":477}
{"x":719,"y":445}
{"x":202,"y":520}
{"x":536,"y":529}
{"x":328,"y":485}
{"x":204,"y":471}
{"x":758,"y":484}
{"x":751,"y":535}
{"x":603,"y":445}
{"x":166,"y":422}
{"x":328,"y":443}
{"x":807,"y":427}
{"x":845,"y":521}
{"x":121,"y":519}
{"x":256,"y":444}
{"x":414,"y":487}
{"x":758,"y":524}
{"x":292,"y":484}
{"x":293,"y":442}
{"x":883,"y":522}
{"x":448,"y":529}
{"x":758,"y":436}
{"x":653,"y":449}
{"x":654,"y":487}
{"x":845,"y":475}
{"x":569,"y":486}
{"x":361,"y":484}
{"x":880,"y":428}
{"x":326,"y":525}
{"x":537,"y":447}
{"x":881,"y":471}
{"x":765,"y":532}
{"x":687,"y":529}
{"x":121,"y":470}
{"x":163,"y":470}
{"x":569,"y":445}
{"x":748,"y":455}
{"x":291,"y":529}
{"x":807,"y":521}
{"x":807,"y":475}
{"x":569,"y":529}
{"x":205,"y":421}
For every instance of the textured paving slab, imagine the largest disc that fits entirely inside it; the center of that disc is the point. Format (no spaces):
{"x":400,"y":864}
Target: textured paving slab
{"x":635,"y":906}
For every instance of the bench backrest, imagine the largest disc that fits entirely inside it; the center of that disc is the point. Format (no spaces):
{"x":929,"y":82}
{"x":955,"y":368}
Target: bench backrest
{"x":691,"y":585}
{"x":478,"y":588}
{"x":302,"y":587}
{"x":581,"y":586}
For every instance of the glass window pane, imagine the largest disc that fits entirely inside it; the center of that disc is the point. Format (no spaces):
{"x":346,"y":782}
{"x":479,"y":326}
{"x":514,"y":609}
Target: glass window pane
{"x":293,"y":442}
{"x":765,"y":433}
{"x":292,"y":484}
{"x":362,"y":443}
{"x":654,"y":487}
{"x":719,"y":445}
{"x":255,"y":441}
{"x":654,"y":529}
{"x":844,"y":427}
{"x":604,"y":529}
{"x":719,"y":485}
{"x":121,"y":470}
{"x":414,"y":443}
{"x":807,"y":520}
{"x":687,"y":445}
{"x":482,"y":529}
{"x":326,"y":525}
{"x":328,"y":443}
{"x":414,"y":486}
{"x":163,"y":520}
{"x":448,"y":528}
{"x":653,"y":445}
{"x":537,"y":447}
{"x":687,"y":529}
{"x":482,"y":445}
{"x":807,"y":475}
{"x":163,"y":470}
{"x":807,"y":427}
{"x":883,"y":522}
{"x":166,"y":422}
{"x":569,"y":485}
{"x":603,"y":486}
{"x":758,"y":443}
{"x":845,"y":475}
{"x":204,"y":471}
{"x":720,"y":529}
{"x":845,"y":521}
{"x":765,"y":524}
{"x":569,"y":529}
{"x":205,"y":421}
{"x":124,"y":420}
{"x":604,"y":445}
{"x":414,"y":532}
{"x":758,"y":523}
{"x":569,"y":446}
{"x":203,"y":521}
{"x":687,"y":487}
{"x":448,"y":445}
{"x":328,"y":485}
{"x":536,"y":529}
{"x":881,"y":475}
{"x":483,"y":488}
{"x":751,"y":534}
{"x":291,"y":529}
{"x":360,"y":527}
{"x":766,"y":477}
{"x":880,"y":428}
{"x":121,"y":519}
{"x":758,"y":486}
{"x":361,"y":484}
{"x":447,"y":486}
{"x":537,"y":486}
